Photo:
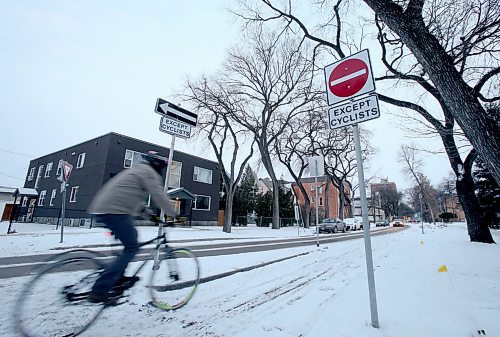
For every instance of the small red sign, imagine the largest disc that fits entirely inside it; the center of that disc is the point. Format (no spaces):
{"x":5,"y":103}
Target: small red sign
{"x":66,"y":168}
{"x":348,"y":77}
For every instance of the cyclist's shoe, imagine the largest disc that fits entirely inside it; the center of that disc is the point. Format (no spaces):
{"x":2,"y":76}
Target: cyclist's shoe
{"x":98,"y":298}
{"x":110,"y":298}
{"x":126,"y":282}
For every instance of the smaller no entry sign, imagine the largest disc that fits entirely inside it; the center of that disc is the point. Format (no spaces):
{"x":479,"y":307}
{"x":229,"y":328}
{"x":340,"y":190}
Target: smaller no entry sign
{"x":349,"y":78}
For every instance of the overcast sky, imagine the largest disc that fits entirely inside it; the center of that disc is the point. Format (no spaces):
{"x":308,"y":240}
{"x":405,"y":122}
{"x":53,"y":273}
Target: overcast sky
{"x":74,"y":70}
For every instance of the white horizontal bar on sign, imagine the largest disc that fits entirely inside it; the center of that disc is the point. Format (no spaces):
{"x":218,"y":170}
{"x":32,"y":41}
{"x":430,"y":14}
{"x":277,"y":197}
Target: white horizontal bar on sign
{"x":348,"y":77}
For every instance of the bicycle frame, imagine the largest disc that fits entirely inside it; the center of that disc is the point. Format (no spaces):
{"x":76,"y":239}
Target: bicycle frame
{"x":161,"y":244}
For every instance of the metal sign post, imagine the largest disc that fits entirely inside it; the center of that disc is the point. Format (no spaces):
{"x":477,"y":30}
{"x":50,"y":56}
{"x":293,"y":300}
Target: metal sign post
{"x":345,"y":80}
{"x":421,"y":212}
{"x":63,"y":209}
{"x":316,"y":196}
{"x":170,"y":158}
{"x":316,"y":166}
{"x":366,"y":230}
{"x":175,"y":121}
{"x":66,"y":169}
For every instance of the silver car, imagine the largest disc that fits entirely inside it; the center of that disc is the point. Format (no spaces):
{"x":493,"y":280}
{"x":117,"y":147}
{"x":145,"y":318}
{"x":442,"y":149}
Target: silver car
{"x":332,"y":225}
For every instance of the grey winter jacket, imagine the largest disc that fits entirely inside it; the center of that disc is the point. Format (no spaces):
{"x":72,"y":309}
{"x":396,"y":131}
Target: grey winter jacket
{"x":126,"y":192}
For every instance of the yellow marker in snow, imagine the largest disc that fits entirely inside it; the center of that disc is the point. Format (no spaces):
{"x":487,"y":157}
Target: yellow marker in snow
{"x":442,"y":269}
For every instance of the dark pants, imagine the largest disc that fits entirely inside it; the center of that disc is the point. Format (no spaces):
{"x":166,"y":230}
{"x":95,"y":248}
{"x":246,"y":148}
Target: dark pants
{"x":123,"y":228}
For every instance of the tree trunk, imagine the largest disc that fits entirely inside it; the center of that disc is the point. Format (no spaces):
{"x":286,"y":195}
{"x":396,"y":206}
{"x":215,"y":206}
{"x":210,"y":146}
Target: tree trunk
{"x":276,"y":205}
{"x":342,"y":199}
{"x":268,"y":165}
{"x":477,"y":225}
{"x":480,"y":130}
{"x":228,"y":215}
{"x":307,"y":215}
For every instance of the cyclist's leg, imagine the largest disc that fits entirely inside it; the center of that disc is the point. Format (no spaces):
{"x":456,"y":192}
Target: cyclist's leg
{"x":124,"y":230}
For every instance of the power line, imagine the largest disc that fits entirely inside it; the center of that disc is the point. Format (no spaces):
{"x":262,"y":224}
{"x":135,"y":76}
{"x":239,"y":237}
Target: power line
{"x":19,"y":154}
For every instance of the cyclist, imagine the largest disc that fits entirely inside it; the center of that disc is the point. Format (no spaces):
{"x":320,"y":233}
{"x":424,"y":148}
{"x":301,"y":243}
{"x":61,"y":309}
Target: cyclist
{"x":115,"y":204}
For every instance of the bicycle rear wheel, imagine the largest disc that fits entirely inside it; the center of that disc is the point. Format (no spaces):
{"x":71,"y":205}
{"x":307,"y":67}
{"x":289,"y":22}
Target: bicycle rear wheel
{"x":54,"y":303}
{"x":174,"y":283}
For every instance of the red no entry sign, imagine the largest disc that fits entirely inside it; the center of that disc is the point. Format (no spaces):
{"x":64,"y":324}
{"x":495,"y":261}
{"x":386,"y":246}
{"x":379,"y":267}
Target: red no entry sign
{"x":349,"y":78}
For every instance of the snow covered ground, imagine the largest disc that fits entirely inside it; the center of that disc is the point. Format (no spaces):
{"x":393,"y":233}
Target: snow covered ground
{"x":321,"y":293}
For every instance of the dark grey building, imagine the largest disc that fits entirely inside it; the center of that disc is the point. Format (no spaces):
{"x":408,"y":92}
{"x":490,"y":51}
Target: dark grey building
{"x":97,"y":160}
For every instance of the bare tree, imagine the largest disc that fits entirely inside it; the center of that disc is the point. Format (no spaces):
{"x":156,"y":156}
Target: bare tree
{"x":215,"y":105}
{"x":468,"y":33}
{"x":429,"y":206}
{"x":413,"y":168}
{"x":449,"y":38}
{"x":292,"y":149}
{"x":273,"y":78}
{"x":337,"y":147}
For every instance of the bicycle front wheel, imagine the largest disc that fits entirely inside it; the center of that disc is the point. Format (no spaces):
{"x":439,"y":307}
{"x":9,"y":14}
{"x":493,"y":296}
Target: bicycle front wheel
{"x":174,"y":283}
{"x":54,"y":303}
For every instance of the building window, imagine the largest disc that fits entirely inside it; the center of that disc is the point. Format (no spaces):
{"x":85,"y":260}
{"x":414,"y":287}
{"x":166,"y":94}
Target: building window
{"x":41,"y":199}
{"x":31,"y":176}
{"x":320,"y":201}
{"x":48,"y":169}
{"x":52,"y":197}
{"x":202,"y":175}
{"x":59,"y":168}
{"x":81,"y":160}
{"x":312,"y":200}
{"x":129,"y":158}
{"x":132,"y":158}
{"x":74,"y":192}
{"x":320,"y":188}
{"x":25,"y":202}
{"x":39,"y":175}
{"x":202,"y":202}
{"x":175,"y":175}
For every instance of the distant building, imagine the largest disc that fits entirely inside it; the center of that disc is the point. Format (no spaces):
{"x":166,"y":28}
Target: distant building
{"x":194,"y":182}
{"x":384,"y":184}
{"x":10,"y":200}
{"x":451,"y":204}
{"x":328,"y":194}
{"x":264,"y":185}
{"x":375,"y":213}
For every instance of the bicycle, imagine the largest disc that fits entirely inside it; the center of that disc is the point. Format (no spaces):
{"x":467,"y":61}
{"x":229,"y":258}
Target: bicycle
{"x":53,"y":305}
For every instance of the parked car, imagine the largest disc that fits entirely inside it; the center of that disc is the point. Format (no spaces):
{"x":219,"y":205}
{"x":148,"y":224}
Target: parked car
{"x":355,"y":223}
{"x":382,"y":223}
{"x":332,"y":225}
{"x":398,"y":223}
